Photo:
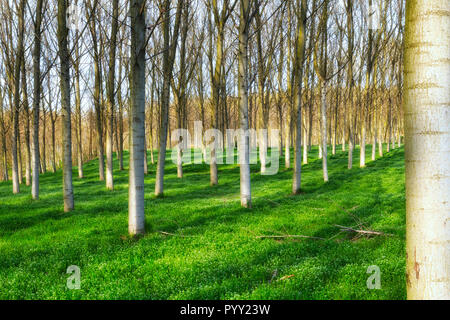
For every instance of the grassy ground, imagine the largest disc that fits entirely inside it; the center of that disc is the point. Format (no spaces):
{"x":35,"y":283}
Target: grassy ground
{"x":216,"y":254}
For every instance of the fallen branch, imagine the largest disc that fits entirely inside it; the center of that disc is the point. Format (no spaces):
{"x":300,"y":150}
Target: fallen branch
{"x":367,"y":232}
{"x":288,"y":236}
{"x":174,"y":235}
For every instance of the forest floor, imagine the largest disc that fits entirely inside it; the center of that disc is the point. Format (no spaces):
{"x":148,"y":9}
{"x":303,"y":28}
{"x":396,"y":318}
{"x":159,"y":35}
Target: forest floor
{"x":200,"y":243}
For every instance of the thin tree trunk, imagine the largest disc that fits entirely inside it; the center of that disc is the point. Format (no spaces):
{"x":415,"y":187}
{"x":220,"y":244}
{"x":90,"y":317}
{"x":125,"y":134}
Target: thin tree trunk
{"x":168,"y":60}
{"x":65,"y":106}
{"x":44,"y":144}
{"x":78,"y":127}
{"x":26,"y":107}
{"x":110,"y":94}
{"x":15,"y":129}
{"x":3,"y":140}
{"x":244,"y":152}
{"x":324,"y":130}
{"x":300,"y":54}
{"x":36,"y":101}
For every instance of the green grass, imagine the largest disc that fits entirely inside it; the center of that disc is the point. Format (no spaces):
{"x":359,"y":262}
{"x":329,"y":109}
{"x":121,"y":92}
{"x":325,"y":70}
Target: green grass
{"x":218,"y":255}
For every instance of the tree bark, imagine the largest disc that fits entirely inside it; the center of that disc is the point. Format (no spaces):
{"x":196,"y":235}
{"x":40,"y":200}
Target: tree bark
{"x":15,"y":129}
{"x":299,"y":59}
{"x":26,"y":108}
{"x":111,"y":101}
{"x":136,"y":210}
{"x":65,"y":106}
{"x":427,"y":140}
{"x":244,"y":152}
{"x":36,"y":101}
{"x":168,"y":60}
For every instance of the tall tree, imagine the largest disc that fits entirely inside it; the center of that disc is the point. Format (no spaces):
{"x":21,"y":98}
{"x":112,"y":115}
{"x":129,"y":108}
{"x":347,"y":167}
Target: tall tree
{"x":350,"y":81}
{"x":244,"y":152}
{"x":65,"y":106}
{"x":36,"y":100}
{"x":91,"y":16}
{"x":427,"y":140}
{"x":78,"y":115}
{"x":17,"y":68}
{"x":299,"y":61}
{"x":168,"y":60}
{"x":221,"y":17}
{"x":26,"y":109}
{"x":136,"y":212}
{"x":110,"y":96}
{"x":322,"y":70}
{"x":264,"y":66}
{"x":3,"y":130}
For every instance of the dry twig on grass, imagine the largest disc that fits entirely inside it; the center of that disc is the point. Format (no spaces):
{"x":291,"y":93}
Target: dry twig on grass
{"x":174,"y":235}
{"x":362,"y":232}
{"x":288,"y":236}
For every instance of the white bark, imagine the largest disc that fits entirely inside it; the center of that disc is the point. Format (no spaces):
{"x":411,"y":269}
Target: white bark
{"x":324,"y":131}
{"x":427,"y":148}
{"x":36,"y":101}
{"x":16,"y":174}
{"x":244,"y":150}
{"x":300,"y":53}
{"x":136,"y":212}
{"x":65,"y":107}
{"x":111,"y":100}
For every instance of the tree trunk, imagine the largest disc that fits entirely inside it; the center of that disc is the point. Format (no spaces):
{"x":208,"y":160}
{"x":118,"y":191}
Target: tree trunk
{"x":136,"y":211}
{"x":65,"y":107}
{"x":427,"y":140}
{"x":26,"y":107}
{"x":36,"y":101}
{"x":299,"y":59}
{"x":111,"y":101}
{"x":44,"y":144}
{"x":78,"y":127}
{"x":244,"y":152}
{"x":3,"y":140}
{"x":323,"y":112}
{"x":168,"y":60}
{"x":15,"y":129}
{"x":350,"y":82}
{"x":54,"y":145}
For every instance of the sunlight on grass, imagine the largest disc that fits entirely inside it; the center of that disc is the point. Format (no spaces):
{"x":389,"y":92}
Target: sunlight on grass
{"x":214,"y":253}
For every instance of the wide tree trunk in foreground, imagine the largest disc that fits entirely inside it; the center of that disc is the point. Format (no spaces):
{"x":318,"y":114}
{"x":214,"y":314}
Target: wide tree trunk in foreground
{"x":65,"y":106}
{"x":427,"y":148}
{"x":136,"y":212}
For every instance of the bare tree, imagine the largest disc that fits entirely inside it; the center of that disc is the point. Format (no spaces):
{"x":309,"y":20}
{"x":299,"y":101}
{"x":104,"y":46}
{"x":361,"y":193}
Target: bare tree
{"x":136,"y":212}
{"x":65,"y":106}
{"x":110,"y":96}
{"x":36,"y":100}
{"x":169,"y":51}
